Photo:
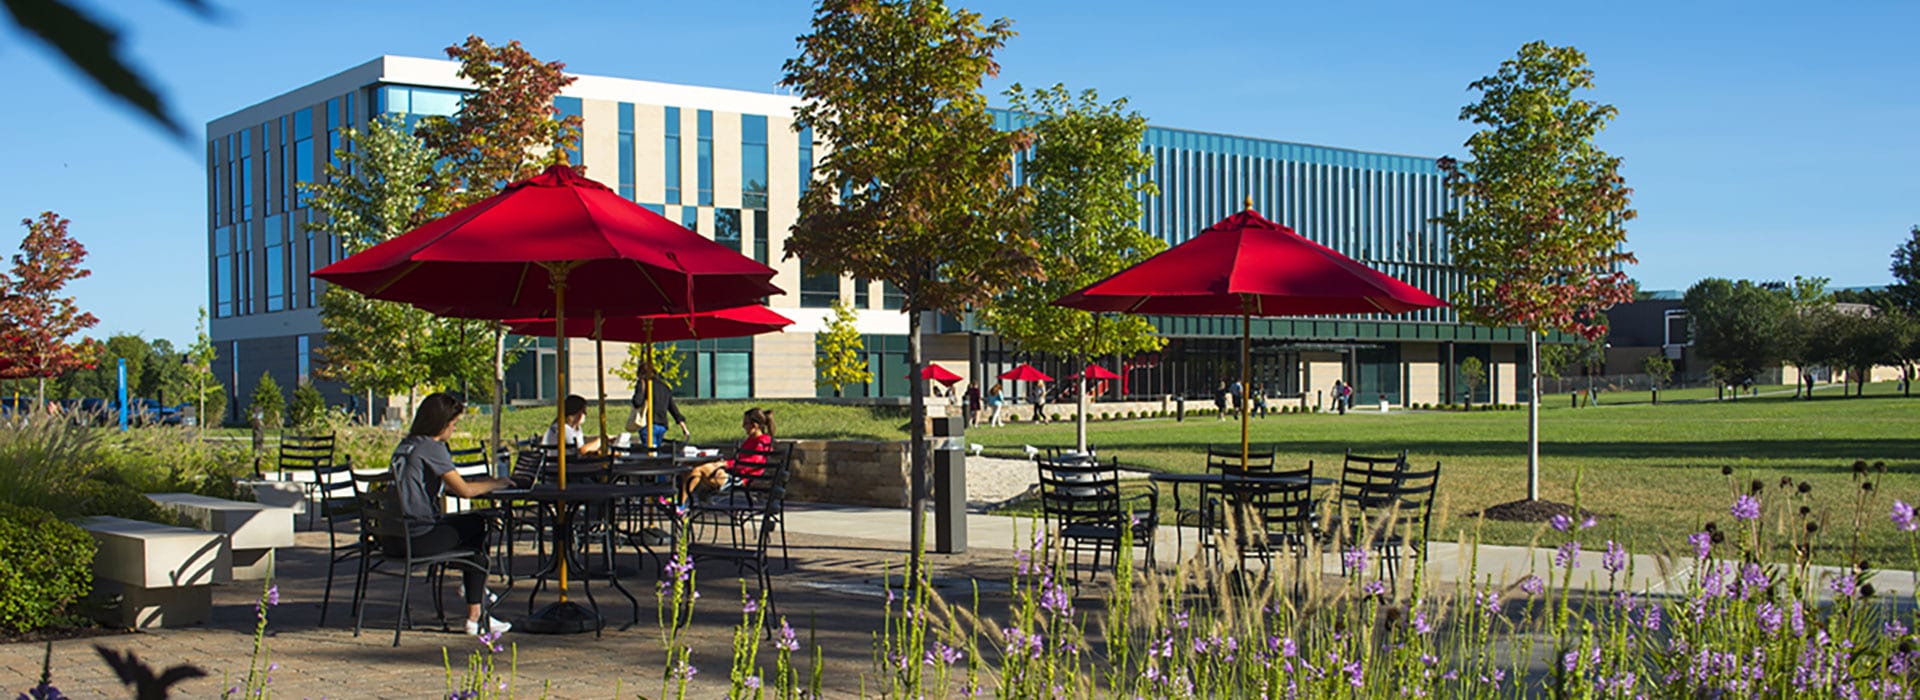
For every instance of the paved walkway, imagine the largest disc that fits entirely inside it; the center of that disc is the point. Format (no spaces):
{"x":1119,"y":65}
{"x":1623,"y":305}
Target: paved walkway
{"x":832,"y":593}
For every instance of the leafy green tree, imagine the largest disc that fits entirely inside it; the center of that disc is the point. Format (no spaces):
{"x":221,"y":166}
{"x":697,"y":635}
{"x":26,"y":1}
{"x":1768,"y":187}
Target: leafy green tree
{"x":1088,"y":176}
{"x":1555,"y":359}
{"x":1904,"y":293}
{"x":1658,"y":368}
{"x":1541,"y":227}
{"x":1473,"y":373}
{"x":507,"y":127}
{"x":209,"y":398}
{"x":916,"y":190}
{"x":268,"y":402}
{"x":1798,"y":332}
{"x":1738,"y":326}
{"x":1856,"y":342}
{"x":842,"y":359}
{"x":664,"y":357}
{"x":309,"y":408}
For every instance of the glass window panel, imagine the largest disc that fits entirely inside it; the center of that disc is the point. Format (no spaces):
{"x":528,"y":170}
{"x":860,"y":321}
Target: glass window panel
{"x":732,"y":375}
{"x":761,"y":236}
{"x":570,"y":107}
{"x":703,"y":155}
{"x":690,"y":218}
{"x":753,"y":161}
{"x":726,"y":228}
{"x":860,"y":293}
{"x":818,"y":290}
{"x":891,"y":297}
{"x":806,"y":159}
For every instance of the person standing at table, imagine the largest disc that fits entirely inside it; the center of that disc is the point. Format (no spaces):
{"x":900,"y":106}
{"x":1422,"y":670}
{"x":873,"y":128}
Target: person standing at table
{"x":422,"y":470}
{"x":664,"y":407}
{"x":575,"y":437}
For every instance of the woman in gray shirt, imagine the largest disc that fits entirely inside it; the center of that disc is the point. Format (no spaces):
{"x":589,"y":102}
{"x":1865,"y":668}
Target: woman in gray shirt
{"x":422,"y":470}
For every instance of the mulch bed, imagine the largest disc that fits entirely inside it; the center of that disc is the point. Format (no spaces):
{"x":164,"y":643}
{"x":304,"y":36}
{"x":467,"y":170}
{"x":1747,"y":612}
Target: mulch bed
{"x":1533,"y":512}
{"x":60,"y":633}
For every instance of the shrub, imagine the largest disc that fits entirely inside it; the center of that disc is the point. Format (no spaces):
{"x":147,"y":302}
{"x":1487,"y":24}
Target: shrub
{"x":109,"y":497}
{"x":268,"y":402}
{"x":49,"y":566}
{"x":309,"y":409}
{"x":41,"y":459}
{"x":167,"y":460}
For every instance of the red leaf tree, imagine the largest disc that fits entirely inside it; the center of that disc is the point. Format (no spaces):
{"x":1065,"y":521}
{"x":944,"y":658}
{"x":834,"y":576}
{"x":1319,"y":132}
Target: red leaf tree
{"x":36,"y":320}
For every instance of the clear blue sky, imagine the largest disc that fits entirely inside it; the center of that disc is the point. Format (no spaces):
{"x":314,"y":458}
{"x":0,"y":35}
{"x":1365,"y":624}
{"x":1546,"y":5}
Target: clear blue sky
{"x":1763,"y":139}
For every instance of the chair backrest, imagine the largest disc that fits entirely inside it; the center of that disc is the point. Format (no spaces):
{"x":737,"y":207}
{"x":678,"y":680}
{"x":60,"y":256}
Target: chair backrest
{"x":580,"y":468}
{"x":1055,"y":452}
{"x":380,"y":514}
{"x":1222,"y":457}
{"x":470,"y":462}
{"x":778,"y":470}
{"x":1414,"y":497}
{"x":1076,"y":491}
{"x":1273,"y":507}
{"x":333,"y":491}
{"x":1368,"y":482}
{"x":529,"y":465}
{"x":305,"y":452}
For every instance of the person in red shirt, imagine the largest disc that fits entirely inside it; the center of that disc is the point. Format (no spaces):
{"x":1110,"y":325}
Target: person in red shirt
{"x":749,"y":461}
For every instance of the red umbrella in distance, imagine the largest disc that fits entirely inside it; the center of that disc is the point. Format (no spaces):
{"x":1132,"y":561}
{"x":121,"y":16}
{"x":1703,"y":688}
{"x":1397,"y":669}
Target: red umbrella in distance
{"x":1248,"y":266}
{"x":939,"y":374}
{"x":556,"y":239}
{"x":1025,"y":373}
{"x":1096,"y":372}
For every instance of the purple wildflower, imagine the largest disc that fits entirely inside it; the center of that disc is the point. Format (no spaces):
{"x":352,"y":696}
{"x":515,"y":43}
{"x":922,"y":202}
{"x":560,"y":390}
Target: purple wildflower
{"x":749,"y":606}
{"x":1054,"y":598}
{"x":1561,"y":522}
{"x":1420,"y":624}
{"x":1533,"y":585}
{"x":273,"y":595}
{"x":45,"y":691}
{"x":1845,"y":586}
{"x":751,"y":682}
{"x":1374,"y":587}
{"x":1615,"y":560}
{"x":1356,"y":674}
{"x":1746,"y":508}
{"x":1903,"y":517}
{"x":1589,"y":523}
{"x":1769,"y":617}
{"x":787,"y":641}
{"x":1702,"y":544}
{"x":1568,"y":556}
{"x":1893,"y":629}
{"x":1490,"y":601}
{"x":1753,"y":579}
{"x":1354,"y":558}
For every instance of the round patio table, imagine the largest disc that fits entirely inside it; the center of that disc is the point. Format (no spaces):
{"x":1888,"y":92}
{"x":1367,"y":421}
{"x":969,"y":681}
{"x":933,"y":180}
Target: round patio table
{"x":1254,"y":482}
{"x":565,"y":616}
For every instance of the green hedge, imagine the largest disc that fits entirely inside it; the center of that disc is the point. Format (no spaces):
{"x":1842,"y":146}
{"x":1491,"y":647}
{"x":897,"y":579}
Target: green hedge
{"x":48,"y":567}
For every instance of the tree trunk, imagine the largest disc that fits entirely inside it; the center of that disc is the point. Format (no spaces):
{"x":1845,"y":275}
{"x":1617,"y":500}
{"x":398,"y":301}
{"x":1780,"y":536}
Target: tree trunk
{"x":1080,"y":422}
{"x":1533,"y":416}
{"x":40,"y":397}
{"x":916,"y":450}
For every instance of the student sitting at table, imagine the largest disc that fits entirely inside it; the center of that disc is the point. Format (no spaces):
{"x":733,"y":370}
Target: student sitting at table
{"x":422,"y":469}
{"x":576,"y":415}
{"x":750,"y":460}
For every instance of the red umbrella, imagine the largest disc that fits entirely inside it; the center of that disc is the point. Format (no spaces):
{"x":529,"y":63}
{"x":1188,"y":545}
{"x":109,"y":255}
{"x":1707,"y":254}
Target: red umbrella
{"x":939,"y":374}
{"x":1025,"y":373}
{"x":1096,"y":372}
{"x":1248,"y":266}
{"x":725,"y":323}
{"x":512,"y":255}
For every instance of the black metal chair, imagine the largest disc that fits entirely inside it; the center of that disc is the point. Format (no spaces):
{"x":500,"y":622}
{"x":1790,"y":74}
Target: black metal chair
{"x":753,"y":520}
{"x":742,"y":503}
{"x":382,"y":521}
{"x":303,"y":455}
{"x":1270,"y":518}
{"x":1408,"y":519}
{"x":1083,"y":504}
{"x":336,"y":503}
{"x":1206,"y":514}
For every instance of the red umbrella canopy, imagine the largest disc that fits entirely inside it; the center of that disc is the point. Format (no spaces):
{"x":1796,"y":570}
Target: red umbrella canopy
{"x":1026,"y":373}
{"x":1097,"y":372}
{"x":725,"y":323}
{"x":1248,"y":265}
{"x":497,"y":258}
{"x":939,"y":374}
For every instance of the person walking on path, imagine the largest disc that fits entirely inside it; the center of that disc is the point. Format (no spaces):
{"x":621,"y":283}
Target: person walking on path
{"x":1259,"y":400}
{"x":995,"y":397}
{"x":973,"y":404}
{"x":1340,"y":396}
{"x":1220,"y":402}
{"x":1039,"y":399}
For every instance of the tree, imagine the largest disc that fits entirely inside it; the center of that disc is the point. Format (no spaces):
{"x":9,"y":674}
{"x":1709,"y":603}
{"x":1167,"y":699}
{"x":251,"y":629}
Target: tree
{"x":35,"y":321}
{"x":1738,"y":326}
{"x":916,"y":190}
{"x":842,"y":359}
{"x":507,"y":128}
{"x":1807,"y":296}
{"x":209,"y":398}
{"x":1856,"y":342}
{"x":1473,"y":373}
{"x":1555,"y":359}
{"x":1088,"y":175}
{"x":309,"y":409}
{"x":1658,"y":368}
{"x":1541,"y":227}
{"x":1905,"y":290}
{"x":663,"y":357}
{"x":268,"y":402}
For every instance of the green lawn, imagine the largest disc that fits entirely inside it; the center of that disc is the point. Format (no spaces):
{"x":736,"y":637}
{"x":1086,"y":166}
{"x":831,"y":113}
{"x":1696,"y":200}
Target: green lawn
{"x":1654,"y":471}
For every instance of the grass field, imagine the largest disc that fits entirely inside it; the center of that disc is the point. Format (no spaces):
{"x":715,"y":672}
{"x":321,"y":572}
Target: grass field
{"x":1653,"y":471}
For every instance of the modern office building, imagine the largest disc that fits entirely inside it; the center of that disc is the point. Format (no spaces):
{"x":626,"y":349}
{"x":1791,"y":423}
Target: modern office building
{"x":728,"y":164}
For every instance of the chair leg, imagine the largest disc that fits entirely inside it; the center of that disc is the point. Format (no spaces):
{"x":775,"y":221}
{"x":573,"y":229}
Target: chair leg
{"x":326,"y":597}
{"x":400,"y":620}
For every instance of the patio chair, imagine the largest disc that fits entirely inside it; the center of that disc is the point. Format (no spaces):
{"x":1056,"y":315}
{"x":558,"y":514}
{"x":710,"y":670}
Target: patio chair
{"x":1220,"y":459}
{"x":298,"y":458}
{"x":336,"y":504}
{"x":382,"y":521}
{"x":1266,"y":519}
{"x":1367,"y":486}
{"x":742,"y":503}
{"x":754,"y":519}
{"x":1083,"y":504}
{"x":1408,"y":520}
{"x":470,"y":462}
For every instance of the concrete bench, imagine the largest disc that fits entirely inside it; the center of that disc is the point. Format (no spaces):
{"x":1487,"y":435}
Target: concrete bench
{"x":287,"y":493}
{"x":163,"y":574}
{"x":253,"y":530}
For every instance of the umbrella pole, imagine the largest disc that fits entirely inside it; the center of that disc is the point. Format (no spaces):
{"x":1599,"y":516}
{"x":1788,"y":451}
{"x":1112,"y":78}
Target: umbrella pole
{"x":600,"y":371}
{"x":646,"y":325}
{"x":499,"y":392}
{"x":560,"y":398}
{"x":1246,"y":341}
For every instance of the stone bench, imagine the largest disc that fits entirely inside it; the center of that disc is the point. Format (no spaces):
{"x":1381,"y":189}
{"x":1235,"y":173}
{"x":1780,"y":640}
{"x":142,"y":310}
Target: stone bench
{"x":253,"y":530}
{"x":163,"y":574}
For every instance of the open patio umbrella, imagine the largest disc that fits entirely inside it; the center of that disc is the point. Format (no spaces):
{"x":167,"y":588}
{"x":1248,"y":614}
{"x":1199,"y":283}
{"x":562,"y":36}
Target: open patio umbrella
{"x":940,"y":374}
{"x":1248,"y":266}
{"x":725,"y":323}
{"x":1096,"y":372}
{"x":1025,"y":373}
{"x":521,"y":252}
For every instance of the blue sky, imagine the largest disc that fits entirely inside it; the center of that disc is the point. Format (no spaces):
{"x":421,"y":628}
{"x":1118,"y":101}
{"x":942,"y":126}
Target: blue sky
{"x":1763,"y":140}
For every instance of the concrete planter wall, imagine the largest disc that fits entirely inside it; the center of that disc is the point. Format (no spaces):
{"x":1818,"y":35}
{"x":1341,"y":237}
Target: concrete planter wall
{"x":850,"y":472}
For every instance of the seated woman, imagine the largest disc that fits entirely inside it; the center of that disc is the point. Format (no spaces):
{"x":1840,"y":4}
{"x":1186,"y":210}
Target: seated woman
{"x":422,"y":469}
{"x":576,"y":439}
{"x":749,"y":460}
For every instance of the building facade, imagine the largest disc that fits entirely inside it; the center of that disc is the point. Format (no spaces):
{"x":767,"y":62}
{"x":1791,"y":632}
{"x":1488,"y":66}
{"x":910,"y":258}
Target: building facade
{"x":729,"y":165}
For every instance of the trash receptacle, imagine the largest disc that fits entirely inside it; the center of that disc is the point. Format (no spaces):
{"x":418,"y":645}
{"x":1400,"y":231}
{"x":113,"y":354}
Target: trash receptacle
{"x":949,"y":485}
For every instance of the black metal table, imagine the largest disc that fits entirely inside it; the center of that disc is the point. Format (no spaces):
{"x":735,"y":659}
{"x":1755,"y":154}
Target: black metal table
{"x":565,"y":616}
{"x":1252,"y":481}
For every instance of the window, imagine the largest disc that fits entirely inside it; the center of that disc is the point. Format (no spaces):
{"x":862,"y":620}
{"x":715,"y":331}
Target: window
{"x":891,"y":297}
{"x":245,"y":172}
{"x":275,"y":267}
{"x":222,"y":271}
{"x":760,"y":236}
{"x":333,"y":132}
{"x":626,"y":150}
{"x":753,"y":161}
{"x":303,"y":365}
{"x":301,"y":158}
{"x":818,"y":290}
{"x":718,"y":369}
{"x":886,"y":357}
{"x":316,"y":259}
{"x":670,"y":156}
{"x":860,"y":292}
{"x":806,"y":159}
{"x":704,"y":157}
{"x":726,"y":228}
{"x":690,"y":218}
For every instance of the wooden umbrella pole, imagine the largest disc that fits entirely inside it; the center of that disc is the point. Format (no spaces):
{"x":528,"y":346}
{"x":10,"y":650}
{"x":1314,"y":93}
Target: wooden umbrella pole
{"x":1246,"y":379}
{"x":646,"y":326}
{"x":560,"y":397}
{"x":600,"y":370}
